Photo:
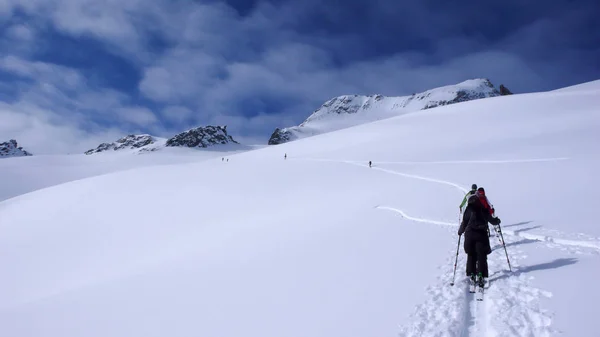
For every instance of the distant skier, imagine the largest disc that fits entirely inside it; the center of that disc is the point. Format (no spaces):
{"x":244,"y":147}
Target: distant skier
{"x":370,"y":163}
{"x":470,"y":193}
{"x":477,"y":243}
{"x":285,"y":156}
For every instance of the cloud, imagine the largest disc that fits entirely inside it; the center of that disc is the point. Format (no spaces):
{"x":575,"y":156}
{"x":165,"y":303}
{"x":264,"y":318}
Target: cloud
{"x":262,"y":64}
{"x":42,"y":132}
{"x":21,"y":32}
{"x":42,"y":72}
{"x":139,"y":116}
{"x":55,"y":110}
{"x":177,"y":114}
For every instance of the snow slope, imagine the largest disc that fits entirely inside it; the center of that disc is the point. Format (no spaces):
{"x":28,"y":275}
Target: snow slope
{"x":27,"y":174}
{"x":350,"y":110}
{"x":320,"y":244}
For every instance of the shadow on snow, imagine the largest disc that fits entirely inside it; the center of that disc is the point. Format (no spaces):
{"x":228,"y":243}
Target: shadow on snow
{"x":558,"y":263}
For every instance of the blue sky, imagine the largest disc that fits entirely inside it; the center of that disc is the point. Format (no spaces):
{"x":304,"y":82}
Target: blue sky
{"x":74,"y":73}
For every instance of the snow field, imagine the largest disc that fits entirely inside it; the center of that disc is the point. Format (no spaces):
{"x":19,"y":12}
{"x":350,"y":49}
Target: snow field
{"x":320,"y":244}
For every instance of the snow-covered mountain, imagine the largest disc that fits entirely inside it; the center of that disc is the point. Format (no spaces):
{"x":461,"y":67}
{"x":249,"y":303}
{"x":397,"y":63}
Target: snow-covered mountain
{"x":130,"y":142}
{"x":11,"y":149}
{"x":200,"y":137}
{"x":350,"y":110}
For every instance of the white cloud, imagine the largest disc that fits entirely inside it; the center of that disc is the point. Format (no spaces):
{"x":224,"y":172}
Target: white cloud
{"x":177,"y":114}
{"x":139,"y":116}
{"x":157,"y":84}
{"x":41,"y":131}
{"x":21,"y":32}
{"x":42,"y":72}
{"x":56,"y":111}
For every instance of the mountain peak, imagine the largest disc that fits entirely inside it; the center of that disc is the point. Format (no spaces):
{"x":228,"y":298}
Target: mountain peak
{"x":199,"y":137}
{"x":350,"y":110}
{"x":11,"y":149}
{"x":127,"y":142}
{"x":203,"y":136}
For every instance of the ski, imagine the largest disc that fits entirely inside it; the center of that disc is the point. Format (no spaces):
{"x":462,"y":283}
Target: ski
{"x":471,"y":285}
{"x":480,"y":285}
{"x":479,"y":294}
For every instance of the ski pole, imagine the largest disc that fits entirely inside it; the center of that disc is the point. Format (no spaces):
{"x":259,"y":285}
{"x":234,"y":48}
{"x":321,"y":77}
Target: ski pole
{"x":504,"y":245}
{"x":456,"y":261}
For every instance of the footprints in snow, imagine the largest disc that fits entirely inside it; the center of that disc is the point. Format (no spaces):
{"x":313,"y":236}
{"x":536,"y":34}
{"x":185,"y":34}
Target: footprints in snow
{"x":511,"y":306}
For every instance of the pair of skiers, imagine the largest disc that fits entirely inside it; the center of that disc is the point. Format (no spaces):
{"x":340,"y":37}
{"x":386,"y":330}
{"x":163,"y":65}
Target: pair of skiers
{"x":478,"y":213}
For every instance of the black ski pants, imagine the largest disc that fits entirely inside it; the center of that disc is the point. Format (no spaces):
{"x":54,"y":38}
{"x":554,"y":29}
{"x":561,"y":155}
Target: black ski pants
{"x":477,"y":247}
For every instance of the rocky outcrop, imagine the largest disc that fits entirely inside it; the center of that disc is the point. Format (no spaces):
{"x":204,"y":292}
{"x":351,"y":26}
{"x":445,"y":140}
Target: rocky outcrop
{"x":280,"y":136}
{"x":504,"y":90}
{"x":202,"y":137}
{"x":11,"y":149}
{"x":127,"y":142}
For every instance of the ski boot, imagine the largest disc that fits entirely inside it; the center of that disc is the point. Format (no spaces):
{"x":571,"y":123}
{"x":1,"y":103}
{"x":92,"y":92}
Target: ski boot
{"x":472,"y":283}
{"x":480,"y":285}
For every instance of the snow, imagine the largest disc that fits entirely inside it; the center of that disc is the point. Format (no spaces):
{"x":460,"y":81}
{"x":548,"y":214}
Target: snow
{"x":27,"y":174}
{"x":320,"y":244}
{"x":351,"y":110}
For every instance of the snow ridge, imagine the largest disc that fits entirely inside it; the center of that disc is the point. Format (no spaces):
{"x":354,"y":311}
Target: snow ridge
{"x":131,"y":142}
{"x":350,"y":110}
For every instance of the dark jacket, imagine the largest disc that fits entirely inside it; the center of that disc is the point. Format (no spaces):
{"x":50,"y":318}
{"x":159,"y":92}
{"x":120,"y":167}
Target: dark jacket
{"x":475,"y":226}
{"x":476,"y":218}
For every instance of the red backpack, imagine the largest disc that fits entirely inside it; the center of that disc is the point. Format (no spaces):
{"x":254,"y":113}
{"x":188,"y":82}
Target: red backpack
{"x":484,"y":200}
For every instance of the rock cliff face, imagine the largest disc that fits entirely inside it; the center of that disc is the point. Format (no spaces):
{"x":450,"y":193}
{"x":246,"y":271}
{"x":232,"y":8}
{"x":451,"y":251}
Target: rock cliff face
{"x":350,"y":110}
{"x":202,"y":137}
{"x":504,"y":90}
{"x":11,"y":149}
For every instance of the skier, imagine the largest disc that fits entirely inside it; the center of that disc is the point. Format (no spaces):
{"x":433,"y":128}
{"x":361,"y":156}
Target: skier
{"x":477,"y":243}
{"x":285,"y":156}
{"x":470,"y":193}
{"x":369,"y":163}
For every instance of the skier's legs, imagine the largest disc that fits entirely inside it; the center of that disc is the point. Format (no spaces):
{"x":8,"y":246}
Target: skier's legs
{"x":471,"y":264}
{"x":482,"y":266}
{"x":471,"y":254}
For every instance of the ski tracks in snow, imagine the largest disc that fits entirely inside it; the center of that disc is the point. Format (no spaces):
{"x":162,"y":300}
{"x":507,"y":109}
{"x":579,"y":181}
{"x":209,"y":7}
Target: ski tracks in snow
{"x":578,"y":246}
{"x":511,"y":305}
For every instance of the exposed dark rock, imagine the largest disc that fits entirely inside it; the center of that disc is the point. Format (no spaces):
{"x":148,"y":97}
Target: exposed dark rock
{"x":504,"y":90}
{"x":280,"y":136}
{"x":202,"y":137}
{"x":11,"y":149}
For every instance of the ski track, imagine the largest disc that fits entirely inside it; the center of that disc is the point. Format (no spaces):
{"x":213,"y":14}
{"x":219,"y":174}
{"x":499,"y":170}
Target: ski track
{"x":511,"y":305}
{"x":509,"y":161}
{"x":552,"y":242}
{"x":442,"y":162}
